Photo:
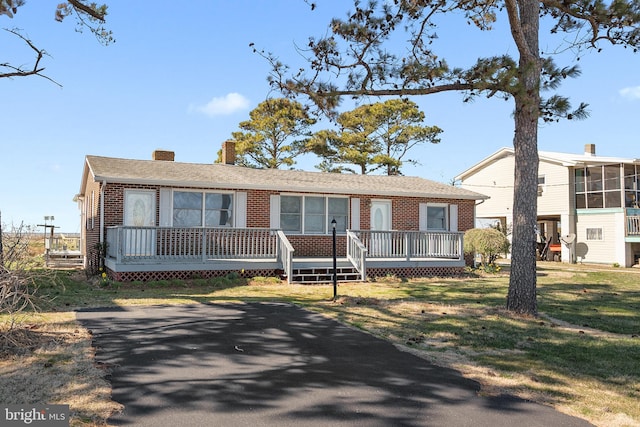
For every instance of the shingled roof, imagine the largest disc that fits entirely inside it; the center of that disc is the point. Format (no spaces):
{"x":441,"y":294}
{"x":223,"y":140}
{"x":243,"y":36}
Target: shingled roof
{"x":177,"y":174}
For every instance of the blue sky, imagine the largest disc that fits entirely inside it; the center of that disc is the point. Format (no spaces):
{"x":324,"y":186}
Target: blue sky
{"x":182,"y":78}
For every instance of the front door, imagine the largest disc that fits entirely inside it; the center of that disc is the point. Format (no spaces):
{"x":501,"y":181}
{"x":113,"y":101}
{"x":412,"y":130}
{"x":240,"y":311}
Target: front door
{"x":380,"y":224}
{"x":139,"y":211}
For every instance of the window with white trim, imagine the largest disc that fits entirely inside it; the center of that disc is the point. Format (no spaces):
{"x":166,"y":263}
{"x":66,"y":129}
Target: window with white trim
{"x":594,"y":234}
{"x":87,"y":212}
{"x":197,"y":209}
{"x":541,"y":182}
{"x":631,"y":186}
{"x":90,"y":211}
{"x":313,"y":214}
{"x":598,"y":187}
{"x":437,"y":217}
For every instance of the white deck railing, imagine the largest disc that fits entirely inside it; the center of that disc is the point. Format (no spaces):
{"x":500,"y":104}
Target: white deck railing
{"x":357,"y":254}
{"x":412,"y":244}
{"x":633,"y":225}
{"x":62,"y":244}
{"x":190,"y":244}
{"x":155,"y":245}
{"x":285,"y":255}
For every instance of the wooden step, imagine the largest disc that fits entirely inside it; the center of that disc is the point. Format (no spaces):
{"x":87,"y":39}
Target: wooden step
{"x":324,"y":275}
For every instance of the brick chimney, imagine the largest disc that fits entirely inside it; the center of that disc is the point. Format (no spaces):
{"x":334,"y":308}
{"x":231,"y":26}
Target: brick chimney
{"x":589,"y":149}
{"x":229,"y":152}
{"x":168,"y":156}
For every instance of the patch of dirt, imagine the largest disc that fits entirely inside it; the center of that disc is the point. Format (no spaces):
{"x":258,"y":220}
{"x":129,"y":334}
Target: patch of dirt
{"x":561,"y":324}
{"x":26,"y":339}
{"x":52,"y":362}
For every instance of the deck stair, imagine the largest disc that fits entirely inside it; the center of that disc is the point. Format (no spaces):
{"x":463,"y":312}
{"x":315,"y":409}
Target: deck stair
{"x":324,"y":275}
{"x":321,"y":271}
{"x":67,"y":259}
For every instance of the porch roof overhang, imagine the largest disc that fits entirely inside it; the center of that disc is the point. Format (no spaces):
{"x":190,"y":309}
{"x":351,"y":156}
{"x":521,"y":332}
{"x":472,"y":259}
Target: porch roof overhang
{"x":229,"y":177}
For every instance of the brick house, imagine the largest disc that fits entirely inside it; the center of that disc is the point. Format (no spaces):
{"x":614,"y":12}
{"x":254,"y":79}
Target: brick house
{"x":161,"y":219}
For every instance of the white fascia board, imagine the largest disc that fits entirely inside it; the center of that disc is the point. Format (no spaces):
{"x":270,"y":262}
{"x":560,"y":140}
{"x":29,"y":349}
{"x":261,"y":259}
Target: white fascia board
{"x":484,"y":162}
{"x":292,"y":188}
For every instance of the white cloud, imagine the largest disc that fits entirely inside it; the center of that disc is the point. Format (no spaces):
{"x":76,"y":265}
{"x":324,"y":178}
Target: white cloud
{"x":222,"y":106}
{"x":630,"y":92}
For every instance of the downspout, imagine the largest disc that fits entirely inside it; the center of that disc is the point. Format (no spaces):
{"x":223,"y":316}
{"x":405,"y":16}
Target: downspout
{"x":478,"y":203}
{"x":474,"y":210}
{"x":102,"y":188}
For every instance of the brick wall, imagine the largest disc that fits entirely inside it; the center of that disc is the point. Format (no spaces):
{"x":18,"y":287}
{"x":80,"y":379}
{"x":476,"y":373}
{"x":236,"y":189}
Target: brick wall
{"x":258,"y":213}
{"x":405,"y":213}
{"x":318,"y":246}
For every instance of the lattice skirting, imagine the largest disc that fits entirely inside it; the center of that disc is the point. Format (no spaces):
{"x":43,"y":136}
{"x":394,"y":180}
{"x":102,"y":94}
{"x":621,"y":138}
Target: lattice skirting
{"x":372,"y":273}
{"x":149,"y":276}
{"x":414,"y":272}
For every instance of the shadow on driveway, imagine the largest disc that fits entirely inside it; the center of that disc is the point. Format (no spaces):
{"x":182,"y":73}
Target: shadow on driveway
{"x":279,"y":365}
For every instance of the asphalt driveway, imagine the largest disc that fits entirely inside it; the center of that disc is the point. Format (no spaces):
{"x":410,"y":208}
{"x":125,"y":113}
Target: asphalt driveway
{"x":266,"y":364}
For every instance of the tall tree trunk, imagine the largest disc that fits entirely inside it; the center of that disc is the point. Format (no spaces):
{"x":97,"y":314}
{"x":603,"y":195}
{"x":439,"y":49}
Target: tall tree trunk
{"x":521,"y":297}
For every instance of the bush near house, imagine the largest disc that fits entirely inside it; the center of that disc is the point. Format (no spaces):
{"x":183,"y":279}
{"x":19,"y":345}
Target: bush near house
{"x":489,"y":243}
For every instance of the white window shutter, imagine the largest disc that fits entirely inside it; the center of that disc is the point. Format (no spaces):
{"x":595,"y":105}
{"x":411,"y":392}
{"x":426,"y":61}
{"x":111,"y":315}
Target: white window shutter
{"x":241,"y":209}
{"x":453,"y":217}
{"x":422,"y":217}
{"x":165,"y":207}
{"x":355,"y":214}
{"x":274,"y":211}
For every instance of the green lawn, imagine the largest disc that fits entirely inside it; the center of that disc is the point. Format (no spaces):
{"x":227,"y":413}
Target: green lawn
{"x":581,"y":355}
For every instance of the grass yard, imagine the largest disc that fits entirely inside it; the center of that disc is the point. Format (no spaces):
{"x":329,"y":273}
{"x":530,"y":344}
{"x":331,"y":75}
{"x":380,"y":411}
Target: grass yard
{"x":581,"y":355}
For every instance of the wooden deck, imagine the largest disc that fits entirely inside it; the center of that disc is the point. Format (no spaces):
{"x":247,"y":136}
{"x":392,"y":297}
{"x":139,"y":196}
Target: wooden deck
{"x":63,"y":252}
{"x":153,"y":249}
{"x":64,"y":259}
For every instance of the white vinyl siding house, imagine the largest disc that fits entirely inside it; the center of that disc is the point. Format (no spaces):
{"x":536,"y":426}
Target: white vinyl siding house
{"x":586,"y":203}
{"x":496,"y":180}
{"x":596,"y":234}
{"x":555,"y":194}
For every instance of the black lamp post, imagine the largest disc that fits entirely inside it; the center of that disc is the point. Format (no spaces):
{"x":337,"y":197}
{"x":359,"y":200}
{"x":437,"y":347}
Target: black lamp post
{"x":335,"y":268}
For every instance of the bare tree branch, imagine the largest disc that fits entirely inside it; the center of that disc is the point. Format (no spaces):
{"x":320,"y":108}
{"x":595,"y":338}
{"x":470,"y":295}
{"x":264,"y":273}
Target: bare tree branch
{"x":18,"y":71}
{"x":89,"y":15}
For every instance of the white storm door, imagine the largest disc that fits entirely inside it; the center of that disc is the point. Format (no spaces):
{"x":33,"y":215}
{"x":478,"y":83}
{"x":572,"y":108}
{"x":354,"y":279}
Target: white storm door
{"x":139,"y":212}
{"x":380,"y":223}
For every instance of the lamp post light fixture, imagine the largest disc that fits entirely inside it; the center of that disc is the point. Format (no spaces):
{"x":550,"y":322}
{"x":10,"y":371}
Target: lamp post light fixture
{"x":335,"y":267}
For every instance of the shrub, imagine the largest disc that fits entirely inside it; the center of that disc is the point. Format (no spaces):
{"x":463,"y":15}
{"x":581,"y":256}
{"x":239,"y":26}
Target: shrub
{"x":20,"y":276}
{"x":233,"y":276}
{"x":489,"y":243}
